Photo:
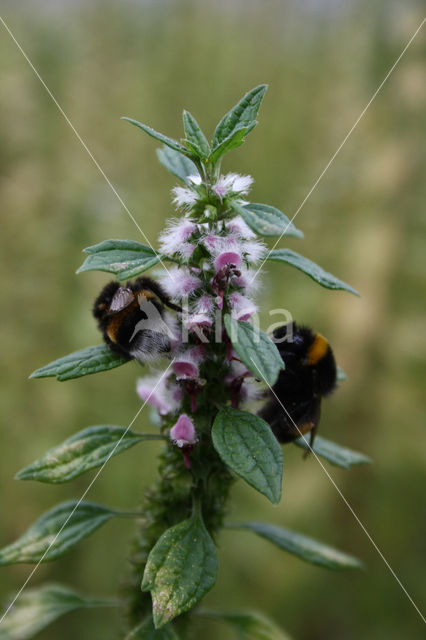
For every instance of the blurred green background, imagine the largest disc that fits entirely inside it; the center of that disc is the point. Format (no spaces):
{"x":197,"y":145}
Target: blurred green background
{"x":364,"y":223}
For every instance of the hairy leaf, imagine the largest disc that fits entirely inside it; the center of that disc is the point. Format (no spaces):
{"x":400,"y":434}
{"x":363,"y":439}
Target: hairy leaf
{"x":311,"y":269}
{"x":266,"y":220}
{"x":181,"y":568}
{"x":123,"y":258}
{"x":81,"y":363}
{"x":300,"y":545}
{"x":247,"y":445}
{"x":195,"y":137}
{"x":173,"y":144}
{"x":334,"y":453}
{"x":87,"y":449}
{"x":178,"y":164}
{"x":147,"y":631}
{"x":242,"y":114}
{"x":234,"y":140}
{"x":255,"y":349}
{"x":35,"y":609}
{"x":56,"y":531}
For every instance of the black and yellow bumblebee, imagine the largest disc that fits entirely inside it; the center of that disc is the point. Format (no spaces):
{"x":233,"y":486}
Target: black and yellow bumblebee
{"x":309,"y":375}
{"x":132,"y":319}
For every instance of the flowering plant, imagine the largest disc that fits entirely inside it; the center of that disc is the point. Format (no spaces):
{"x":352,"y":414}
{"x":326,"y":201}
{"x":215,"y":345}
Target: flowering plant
{"x":219,"y":363}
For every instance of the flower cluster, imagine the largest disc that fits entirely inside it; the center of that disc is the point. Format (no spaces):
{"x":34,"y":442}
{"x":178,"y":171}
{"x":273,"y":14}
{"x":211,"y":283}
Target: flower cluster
{"x":216,"y":262}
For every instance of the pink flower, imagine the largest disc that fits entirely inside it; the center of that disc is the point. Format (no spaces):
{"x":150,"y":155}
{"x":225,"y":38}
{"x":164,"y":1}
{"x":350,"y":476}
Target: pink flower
{"x":227,"y":258}
{"x":211,"y":242}
{"x":202,"y":314}
{"x":159,"y":392}
{"x":225,"y":251}
{"x":242,"y":308}
{"x":194,"y":320}
{"x":232,"y":183}
{"x":253,"y":251}
{"x":179,"y":282}
{"x":174,"y":239}
{"x":237,"y":227}
{"x":247,"y":279}
{"x":204,"y":305}
{"x":186,"y":249}
{"x":237,"y":383}
{"x":186,"y":364}
{"x":183,"y":432}
{"x":184,"y":197}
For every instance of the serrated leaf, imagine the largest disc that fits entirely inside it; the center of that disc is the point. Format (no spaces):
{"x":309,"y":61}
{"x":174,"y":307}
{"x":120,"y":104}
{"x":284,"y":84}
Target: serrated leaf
{"x":302,"y":546}
{"x":123,"y":258}
{"x":195,"y":137}
{"x":147,"y":631}
{"x":170,"y":142}
{"x":181,"y":569}
{"x":266,"y":220}
{"x":85,"y":450}
{"x":247,"y":445}
{"x":249,"y":626}
{"x":81,"y":363}
{"x":35,"y":609}
{"x":311,"y":269}
{"x":56,"y":531}
{"x":334,"y":453}
{"x":178,"y":164}
{"x":255,"y":349}
{"x":242,"y":114}
{"x":234,"y":140}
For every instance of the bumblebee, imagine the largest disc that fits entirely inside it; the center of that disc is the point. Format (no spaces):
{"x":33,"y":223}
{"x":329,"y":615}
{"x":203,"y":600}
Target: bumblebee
{"x":132,"y":319}
{"x":309,"y":375}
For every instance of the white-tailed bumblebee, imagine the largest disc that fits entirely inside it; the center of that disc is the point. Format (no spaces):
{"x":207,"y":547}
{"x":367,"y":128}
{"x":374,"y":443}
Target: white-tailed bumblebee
{"x":309,"y":375}
{"x":132,"y":319}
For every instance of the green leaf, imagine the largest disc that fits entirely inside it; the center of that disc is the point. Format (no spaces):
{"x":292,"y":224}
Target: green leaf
{"x":147,"y":631}
{"x":234,"y":140}
{"x":242,"y":114}
{"x":173,"y":144}
{"x":196,"y":139}
{"x":87,"y":449}
{"x":311,"y":269}
{"x":266,"y":220}
{"x":178,"y":164}
{"x":249,"y":626}
{"x":255,"y":349}
{"x":300,"y":545}
{"x":56,"y":531}
{"x":124,"y":258}
{"x":247,"y":445}
{"x":181,"y":569}
{"x":334,"y":453}
{"x":35,"y":609}
{"x":81,"y":363}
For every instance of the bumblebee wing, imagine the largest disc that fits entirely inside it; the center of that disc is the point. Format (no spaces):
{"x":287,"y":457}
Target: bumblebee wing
{"x":122,"y":298}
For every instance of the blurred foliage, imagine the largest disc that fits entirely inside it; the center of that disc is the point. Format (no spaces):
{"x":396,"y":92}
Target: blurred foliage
{"x":149,"y":60}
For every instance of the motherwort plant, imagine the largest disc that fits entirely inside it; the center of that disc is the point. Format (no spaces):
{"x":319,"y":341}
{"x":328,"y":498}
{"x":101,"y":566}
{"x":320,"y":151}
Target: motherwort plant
{"x":216,"y":363}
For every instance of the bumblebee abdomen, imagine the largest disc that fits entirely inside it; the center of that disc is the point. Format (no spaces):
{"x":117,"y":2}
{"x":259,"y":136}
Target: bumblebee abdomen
{"x":294,"y":405}
{"x":326,"y":372}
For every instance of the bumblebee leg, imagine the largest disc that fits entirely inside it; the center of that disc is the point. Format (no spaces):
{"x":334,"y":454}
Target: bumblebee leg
{"x":312,"y":435}
{"x":315,"y":420}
